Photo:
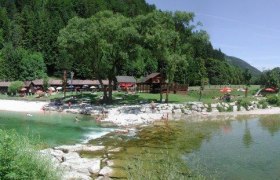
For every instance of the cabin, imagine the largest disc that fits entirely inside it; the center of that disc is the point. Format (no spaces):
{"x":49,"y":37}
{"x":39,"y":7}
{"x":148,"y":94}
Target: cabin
{"x":150,"y":83}
{"x":4,"y":87}
{"x":126,"y":83}
{"x":154,"y":82}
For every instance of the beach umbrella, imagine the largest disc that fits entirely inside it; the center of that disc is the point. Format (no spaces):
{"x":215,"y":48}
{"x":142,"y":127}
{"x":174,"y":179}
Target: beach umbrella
{"x":51,"y":88}
{"x":23,"y":89}
{"x":92,"y":87}
{"x":85,"y":86}
{"x":225,"y":90}
{"x":59,"y":88}
{"x":269,"y":90}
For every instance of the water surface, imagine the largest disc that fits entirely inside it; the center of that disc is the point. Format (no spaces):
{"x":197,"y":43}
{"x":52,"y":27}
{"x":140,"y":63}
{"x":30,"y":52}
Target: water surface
{"x":53,"y":128}
{"x":248,"y":148}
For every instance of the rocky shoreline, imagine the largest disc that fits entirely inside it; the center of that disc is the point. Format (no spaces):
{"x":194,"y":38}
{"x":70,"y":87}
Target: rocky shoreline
{"x":67,"y":159}
{"x":133,"y":115}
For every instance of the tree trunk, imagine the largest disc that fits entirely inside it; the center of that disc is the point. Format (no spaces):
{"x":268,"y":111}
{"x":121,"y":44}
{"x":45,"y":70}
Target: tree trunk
{"x":246,"y":91}
{"x":105,"y":96}
{"x":160,"y":88}
{"x":110,"y":88}
{"x":167,"y":93}
{"x":64,"y":83}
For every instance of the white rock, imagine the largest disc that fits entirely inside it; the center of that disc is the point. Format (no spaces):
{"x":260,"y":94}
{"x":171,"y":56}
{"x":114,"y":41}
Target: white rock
{"x":118,"y":149}
{"x":214,"y":105}
{"x":234,"y":108}
{"x":70,"y":156}
{"x":93,"y":148}
{"x":72,"y":175}
{"x":106,"y":171}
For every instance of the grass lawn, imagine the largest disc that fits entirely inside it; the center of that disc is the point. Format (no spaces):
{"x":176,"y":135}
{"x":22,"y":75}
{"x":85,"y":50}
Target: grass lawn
{"x":208,"y":96}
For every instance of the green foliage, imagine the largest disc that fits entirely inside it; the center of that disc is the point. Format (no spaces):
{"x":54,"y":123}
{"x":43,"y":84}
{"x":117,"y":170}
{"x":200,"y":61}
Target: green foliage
{"x":101,"y":39}
{"x":263,"y":103}
{"x":209,"y":107}
{"x":274,"y":100}
{"x":271,"y":78}
{"x":15,"y":87}
{"x":221,"y":108}
{"x":230,"y":108}
{"x":247,"y":76}
{"x":45,"y":83}
{"x":18,"y":160}
{"x":243,"y":103}
{"x":20,"y":64}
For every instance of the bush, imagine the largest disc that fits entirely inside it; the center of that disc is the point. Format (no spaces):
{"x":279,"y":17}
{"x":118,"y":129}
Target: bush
{"x":273,"y":100}
{"x":220,"y":108}
{"x":209,"y":108}
{"x":244,"y":103}
{"x":15,"y":87}
{"x":238,"y":107}
{"x":263,"y":104}
{"x":18,"y":159}
{"x":230,"y":109}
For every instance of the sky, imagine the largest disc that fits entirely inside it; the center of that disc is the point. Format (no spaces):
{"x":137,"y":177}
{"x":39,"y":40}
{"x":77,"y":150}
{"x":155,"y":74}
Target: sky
{"x":246,"y":29}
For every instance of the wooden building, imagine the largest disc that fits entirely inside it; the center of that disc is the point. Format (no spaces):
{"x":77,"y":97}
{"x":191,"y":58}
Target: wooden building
{"x":4,"y":87}
{"x":125,"y":83}
{"x":150,"y":83}
{"x":154,"y":82}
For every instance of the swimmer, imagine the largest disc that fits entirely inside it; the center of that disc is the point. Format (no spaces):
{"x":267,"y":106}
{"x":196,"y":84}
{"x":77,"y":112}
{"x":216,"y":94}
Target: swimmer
{"x":29,"y":114}
{"x":76,"y":119}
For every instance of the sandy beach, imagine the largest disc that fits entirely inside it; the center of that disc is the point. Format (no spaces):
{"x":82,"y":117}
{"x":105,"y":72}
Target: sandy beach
{"x":21,"y":106}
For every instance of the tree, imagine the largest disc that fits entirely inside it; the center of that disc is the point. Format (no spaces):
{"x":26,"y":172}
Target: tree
{"x":15,"y":87}
{"x":102,"y":43}
{"x":20,"y":64}
{"x":247,"y":77}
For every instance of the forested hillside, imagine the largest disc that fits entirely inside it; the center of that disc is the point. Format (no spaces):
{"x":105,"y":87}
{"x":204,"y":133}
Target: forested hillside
{"x":39,"y":38}
{"x":243,"y":65}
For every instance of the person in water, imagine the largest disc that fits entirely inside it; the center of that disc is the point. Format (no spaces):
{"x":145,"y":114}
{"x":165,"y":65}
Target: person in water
{"x":76,"y":119}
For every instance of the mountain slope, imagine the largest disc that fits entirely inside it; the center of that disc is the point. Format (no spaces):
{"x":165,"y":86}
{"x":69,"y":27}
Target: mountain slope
{"x":243,"y":65}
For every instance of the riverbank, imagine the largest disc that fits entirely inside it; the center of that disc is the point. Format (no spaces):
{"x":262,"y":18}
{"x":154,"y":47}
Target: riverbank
{"x":133,"y":115}
{"x":21,"y":106}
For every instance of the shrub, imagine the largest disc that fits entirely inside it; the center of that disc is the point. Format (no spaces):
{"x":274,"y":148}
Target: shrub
{"x":244,"y":103}
{"x":238,"y":107}
{"x":273,"y":100}
{"x":15,"y":87}
{"x":18,"y":159}
{"x":209,"y":108}
{"x":263,"y":104}
{"x":220,"y":108}
{"x":230,"y":109}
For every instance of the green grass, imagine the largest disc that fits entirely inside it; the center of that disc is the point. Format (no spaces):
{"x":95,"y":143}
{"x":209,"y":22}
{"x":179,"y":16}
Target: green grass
{"x":19,"y":160}
{"x":209,"y":95}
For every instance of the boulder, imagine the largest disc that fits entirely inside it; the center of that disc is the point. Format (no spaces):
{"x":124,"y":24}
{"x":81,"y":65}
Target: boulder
{"x":106,"y":171}
{"x":71,"y":175}
{"x":70,"y":156}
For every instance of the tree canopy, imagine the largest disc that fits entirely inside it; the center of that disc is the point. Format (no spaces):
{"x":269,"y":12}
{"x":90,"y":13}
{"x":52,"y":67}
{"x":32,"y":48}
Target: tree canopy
{"x":101,"y":39}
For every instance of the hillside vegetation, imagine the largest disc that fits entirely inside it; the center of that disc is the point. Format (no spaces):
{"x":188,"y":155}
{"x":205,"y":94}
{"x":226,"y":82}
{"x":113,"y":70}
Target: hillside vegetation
{"x":101,"y":39}
{"x":243,"y":65}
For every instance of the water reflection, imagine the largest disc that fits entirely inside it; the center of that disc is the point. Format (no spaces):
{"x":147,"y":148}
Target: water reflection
{"x":247,"y":137}
{"x":270,"y":123}
{"x":244,"y":148}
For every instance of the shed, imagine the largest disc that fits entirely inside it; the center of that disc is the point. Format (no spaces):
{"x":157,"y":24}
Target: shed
{"x":4,"y":85}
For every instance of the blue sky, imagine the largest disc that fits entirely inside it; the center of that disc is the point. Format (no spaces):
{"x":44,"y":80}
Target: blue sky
{"x":247,"y":29}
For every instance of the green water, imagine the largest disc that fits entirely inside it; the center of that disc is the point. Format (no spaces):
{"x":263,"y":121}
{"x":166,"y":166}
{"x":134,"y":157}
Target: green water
{"x":248,"y":148}
{"x":243,"y":147}
{"x":53,"y":128}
